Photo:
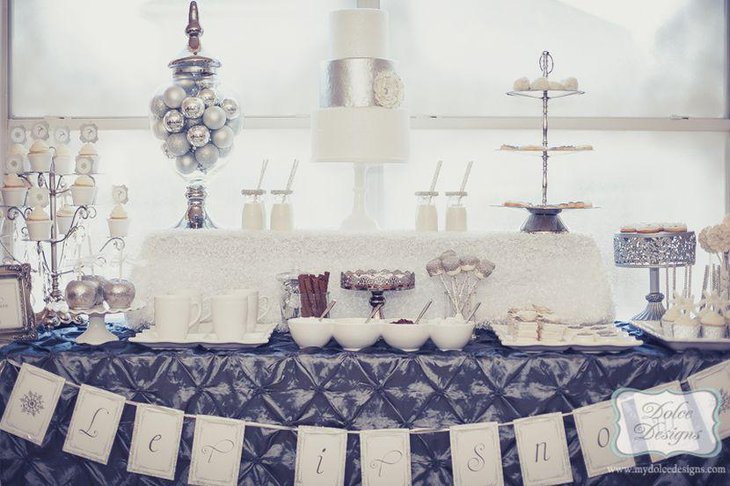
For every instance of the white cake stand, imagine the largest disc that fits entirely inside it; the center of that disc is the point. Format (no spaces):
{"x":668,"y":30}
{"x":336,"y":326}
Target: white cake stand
{"x":96,"y":331}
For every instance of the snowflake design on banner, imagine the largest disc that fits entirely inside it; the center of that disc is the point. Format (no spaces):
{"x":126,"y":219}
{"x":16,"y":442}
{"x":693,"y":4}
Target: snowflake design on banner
{"x":31,"y":403}
{"x":725,"y":402}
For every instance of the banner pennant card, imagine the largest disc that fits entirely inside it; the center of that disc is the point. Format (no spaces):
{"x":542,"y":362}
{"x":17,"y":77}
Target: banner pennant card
{"x":385,"y":457}
{"x":32,"y":403}
{"x":155,"y":441}
{"x":94,"y":424}
{"x":596,"y":426}
{"x":217,"y":449}
{"x":543,"y":450}
{"x":716,"y":378}
{"x":321,"y":456}
{"x":476,"y":456}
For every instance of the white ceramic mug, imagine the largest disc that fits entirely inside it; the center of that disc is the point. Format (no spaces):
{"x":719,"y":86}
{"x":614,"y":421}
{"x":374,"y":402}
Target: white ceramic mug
{"x":230,"y":313}
{"x":196,"y":297}
{"x":174,"y":316}
{"x":258,"y":307}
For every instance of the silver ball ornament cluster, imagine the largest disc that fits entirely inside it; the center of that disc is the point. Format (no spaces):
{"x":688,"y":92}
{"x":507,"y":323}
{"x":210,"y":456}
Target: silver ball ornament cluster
{"x":196,"y":124}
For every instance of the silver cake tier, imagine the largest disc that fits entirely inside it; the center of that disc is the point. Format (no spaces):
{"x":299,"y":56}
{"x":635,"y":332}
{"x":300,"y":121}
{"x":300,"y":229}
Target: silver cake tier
{"x":360,"y":82}
{"x":635,"y":250}
{"x":378,"y":280}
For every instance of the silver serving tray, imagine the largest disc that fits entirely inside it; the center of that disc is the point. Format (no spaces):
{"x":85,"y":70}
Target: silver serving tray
{"x":206,"y":339}
{"x":606,"y":345}
{"x":683,"y":344}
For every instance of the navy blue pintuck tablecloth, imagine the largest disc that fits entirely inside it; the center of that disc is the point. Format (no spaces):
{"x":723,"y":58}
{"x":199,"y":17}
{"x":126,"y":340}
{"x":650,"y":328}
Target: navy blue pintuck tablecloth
{"x":377,"y":388}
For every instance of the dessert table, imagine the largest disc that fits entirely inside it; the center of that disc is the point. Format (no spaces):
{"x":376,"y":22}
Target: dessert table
{"x":376,"y":388}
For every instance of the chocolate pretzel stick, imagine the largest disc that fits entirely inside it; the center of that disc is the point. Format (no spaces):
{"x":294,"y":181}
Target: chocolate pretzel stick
{"x":306,"y":310}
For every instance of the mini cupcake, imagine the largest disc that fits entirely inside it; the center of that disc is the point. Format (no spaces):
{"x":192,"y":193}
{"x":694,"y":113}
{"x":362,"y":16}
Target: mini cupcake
{"x":14,"y":190}
{"x":62,"y":160}
{"x":118,"y":222}
{"x":39,"y":157}
{"x":686,"y":327}
{"x":88,"y":152}
{"x":83,"y":191}
{"x":713,"y":325}
{"x":64,"y":218}
{"x":39,"y":225}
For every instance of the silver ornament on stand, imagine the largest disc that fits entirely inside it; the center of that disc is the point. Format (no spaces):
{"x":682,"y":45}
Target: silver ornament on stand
{"x":207,"y":156}
{"x":223,"y":137}
{"x":186,"y":164}
{"x":214,"y":117}
{"x":230,"y":106}
{"x":178,"y":144}
{"x":173,"y":121}
{"x":198,"y":135}
{"x":192,"y":107}
{"x":173,"y":96}
{"x":236,"y":124}
{"x":158,"y":106}
{"x":158,"y":128}
{"x":209,"y":96}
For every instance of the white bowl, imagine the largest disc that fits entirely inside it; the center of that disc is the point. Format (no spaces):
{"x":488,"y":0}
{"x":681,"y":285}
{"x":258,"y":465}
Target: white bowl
{"x":353,"y":334}
{"x":406,"y":337}
{"x":450,"y":336}
{"x":309,"y":332}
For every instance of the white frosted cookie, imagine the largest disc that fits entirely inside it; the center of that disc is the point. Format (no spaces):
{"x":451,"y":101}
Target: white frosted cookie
{"x":649,"y":228}
{"x":675,"y":227}
{"x":521,"y":84}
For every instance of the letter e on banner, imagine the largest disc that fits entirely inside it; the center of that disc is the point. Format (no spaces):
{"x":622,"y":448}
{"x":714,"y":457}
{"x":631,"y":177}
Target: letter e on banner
{"x":155,"y":441}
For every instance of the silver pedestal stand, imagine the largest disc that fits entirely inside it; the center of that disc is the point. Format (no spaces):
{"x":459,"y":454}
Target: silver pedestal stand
{"x":377,"y":282}
{"x":654,"y":251}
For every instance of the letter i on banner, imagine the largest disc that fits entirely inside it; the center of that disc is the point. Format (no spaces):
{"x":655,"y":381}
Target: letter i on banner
{"x":321,"y":454}
{"x":32,"y":403}
{"x":596,"y":426}
{"x":155,"y":441}
{"x":94,"y":424}
{"x":385,"y":457}
{"x":543,"y":450}
{"x":716,"y":378}
{"x":217,"y":448}
{"x":476,"y":456}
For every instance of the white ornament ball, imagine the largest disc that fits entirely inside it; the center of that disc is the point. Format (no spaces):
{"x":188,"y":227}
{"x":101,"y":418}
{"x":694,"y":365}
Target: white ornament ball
{"x":230,"y":106}
{"x":198,"y":135}
{"x":207,"y":156}
{"x":174,"y":121}
{"x":192,"y":107}
{"x":214,"y":117}
{"x":177,"y":144}
{"x":158,"y":106}
{"x":173,"y":96}
{"x":158,"y":128}
{"x":191,"y":122}
{"x":223,"y":137}
{"x":186,"y":164}
{"x":236,"y":124}
{"x":209,"y":96}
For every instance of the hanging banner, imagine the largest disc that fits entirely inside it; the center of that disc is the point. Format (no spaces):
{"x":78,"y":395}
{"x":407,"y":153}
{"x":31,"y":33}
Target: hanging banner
{"x":543,"y":450}
{"x":716,"y":378}
{"x":217,"y":449}
{"x":94,"y":424}
{"x":596,"y":427}
{"x":155,"y":441}
{"x":476,"y":456}
{"x":32,"y":403}
{"x":385,"y":457}
{"x":321,"y":456}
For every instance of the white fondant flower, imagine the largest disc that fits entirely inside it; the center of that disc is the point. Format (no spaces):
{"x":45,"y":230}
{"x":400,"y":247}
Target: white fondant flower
{"x":84,"y":165}
{"x":14,"y":164}
{"x":388,"y":89}
{"x":38,"y":196}
{"x":120,"y":194}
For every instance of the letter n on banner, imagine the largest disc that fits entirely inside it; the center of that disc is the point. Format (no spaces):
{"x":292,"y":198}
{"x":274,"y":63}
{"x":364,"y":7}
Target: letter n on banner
{"x":716,"y":378}
{"x":32,"y":403}
{"x":596,"y":426}
{"x":476,"y":456}
{"x":217,"y":449}
{"x":543,"y":450}
{"x":385,"y":457}
{"x":94,"y":424}
{"x":155,"y":441}
{"x":321,"y":455}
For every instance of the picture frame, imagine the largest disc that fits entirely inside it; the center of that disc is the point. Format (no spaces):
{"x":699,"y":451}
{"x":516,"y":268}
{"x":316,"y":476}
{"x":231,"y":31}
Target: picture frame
{"x":17,"y":320}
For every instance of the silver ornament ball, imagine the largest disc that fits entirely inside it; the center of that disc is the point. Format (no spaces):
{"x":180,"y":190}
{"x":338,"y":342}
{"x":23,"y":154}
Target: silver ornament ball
{"x":236,"y":124}
{"x":207,"y":156}
{"x":214,"y":117}
{"x":198,"y":135}
{"x":192,"y":107}
{"x":158,"y":128}
{"x":191,"y":122}
{"x":118,"y":293}
{"x":99,"y":281}
{"x":173,"y":96}
{"x":223,"y":137}
{"x":165,"y":150}
{"x":225,"y":151}
{"x":186,"y":164}
{"x":81,"y":294}
{"x":209,"y":96}
{"x":230,"y":106}
{"x":158,"y":106}
{"x":178,"y":144}
{"x":174,"y":121}
{"x":206,"y":83}
{"x":187,"y":84}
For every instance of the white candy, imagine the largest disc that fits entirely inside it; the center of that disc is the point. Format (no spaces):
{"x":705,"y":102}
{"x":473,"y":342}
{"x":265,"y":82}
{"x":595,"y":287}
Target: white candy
{"x":570,"y":83}
{"x":540,"y":84}
{"x":521,"y":84}
{"x":556,"y":85}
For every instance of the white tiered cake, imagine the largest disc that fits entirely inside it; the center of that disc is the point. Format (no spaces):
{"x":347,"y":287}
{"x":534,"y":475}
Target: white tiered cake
{"x":360,"y":119}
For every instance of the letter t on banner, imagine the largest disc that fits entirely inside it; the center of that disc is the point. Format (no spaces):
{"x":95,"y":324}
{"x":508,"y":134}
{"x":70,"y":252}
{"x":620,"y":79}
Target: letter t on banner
{"x":321,"y":455}
{"x":543,"y":450}
{"x":385,"y":457}
{"x":476,"y":457}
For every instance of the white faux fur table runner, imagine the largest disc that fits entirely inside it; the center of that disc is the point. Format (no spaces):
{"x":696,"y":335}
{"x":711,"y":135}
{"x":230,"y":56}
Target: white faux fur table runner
{"x":563,"y":272}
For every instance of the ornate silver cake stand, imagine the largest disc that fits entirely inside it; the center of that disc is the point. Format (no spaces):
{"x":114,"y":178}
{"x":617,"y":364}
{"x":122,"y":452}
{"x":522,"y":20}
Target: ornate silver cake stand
{"x":377,"y":282}
{"x":654,"y":251}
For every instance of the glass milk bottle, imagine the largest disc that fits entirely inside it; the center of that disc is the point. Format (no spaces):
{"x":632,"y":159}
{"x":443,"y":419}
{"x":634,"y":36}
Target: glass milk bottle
{"x":254,"y":212}
{"x":282,"y":215}
{"x":455,"y":212}
{"x":426,"y":215}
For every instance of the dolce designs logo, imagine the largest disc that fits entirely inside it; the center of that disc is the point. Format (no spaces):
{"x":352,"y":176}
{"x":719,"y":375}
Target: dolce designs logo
{"x":667,"y":422}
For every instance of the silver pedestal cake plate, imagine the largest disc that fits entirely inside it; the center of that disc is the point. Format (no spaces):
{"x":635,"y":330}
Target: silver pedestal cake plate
{"x":377,"y":282}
